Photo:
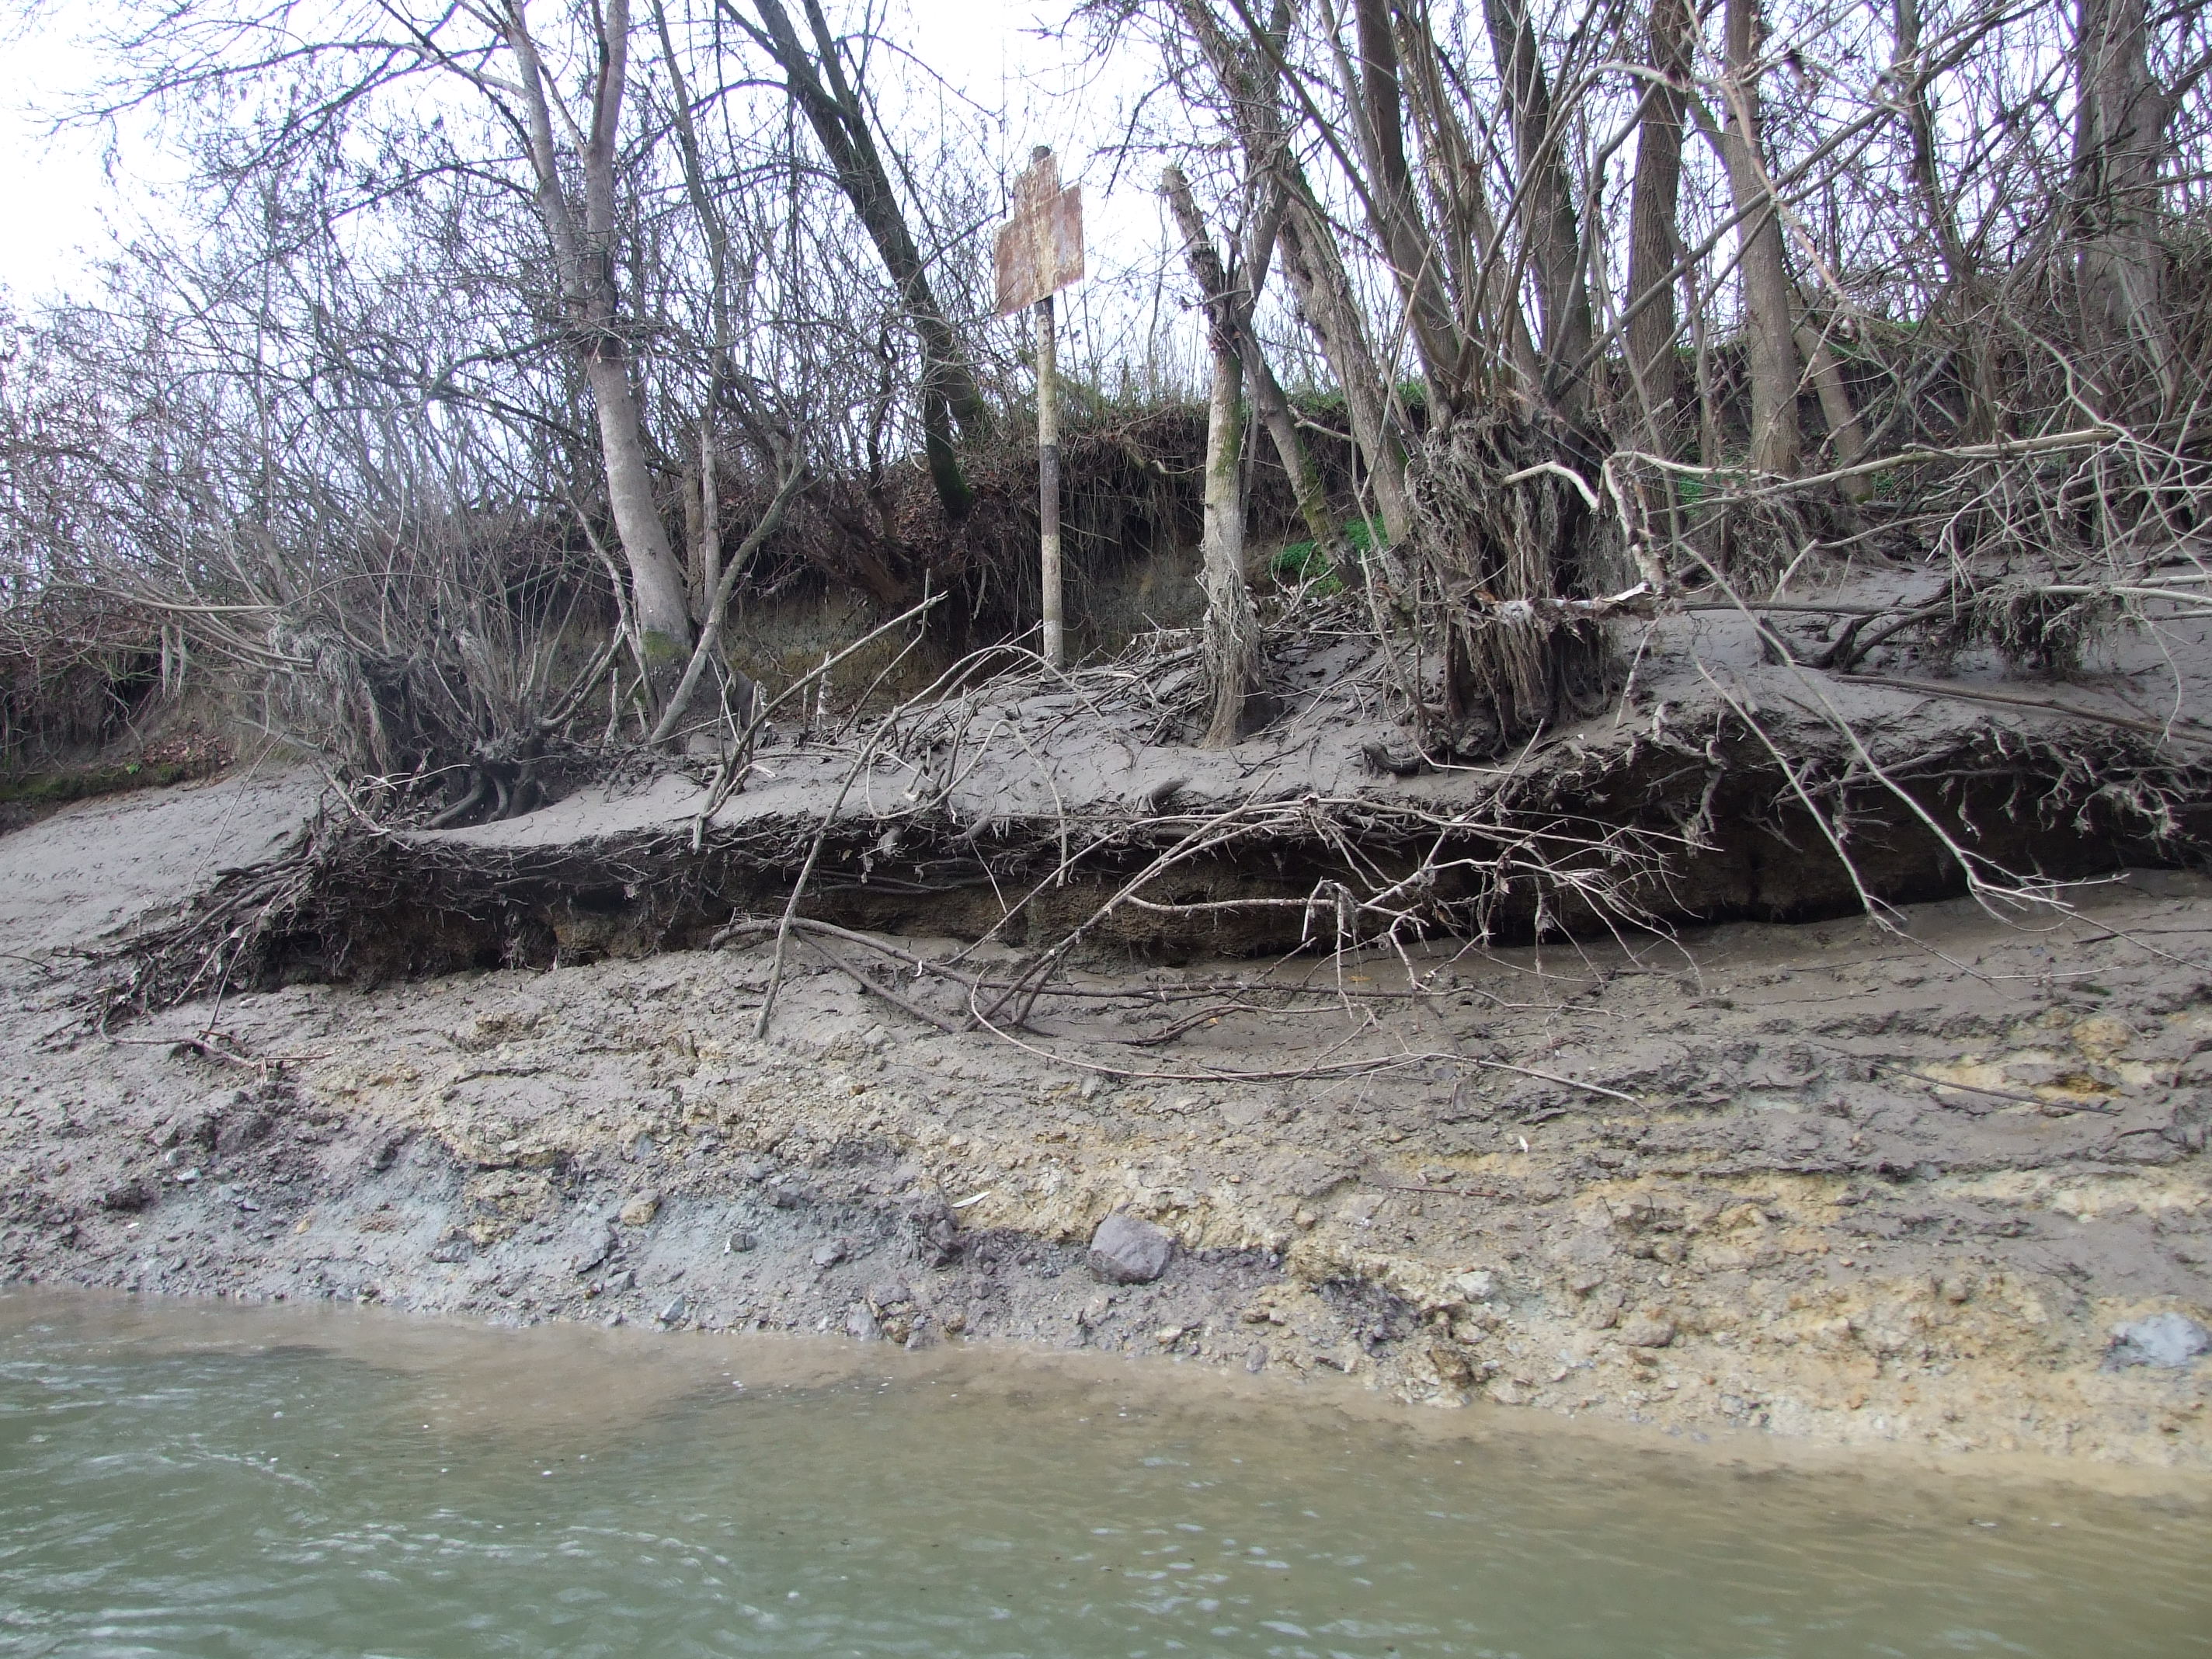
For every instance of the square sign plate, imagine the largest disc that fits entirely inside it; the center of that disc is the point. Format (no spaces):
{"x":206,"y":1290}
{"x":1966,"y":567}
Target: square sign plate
{"x":1040,"y":249}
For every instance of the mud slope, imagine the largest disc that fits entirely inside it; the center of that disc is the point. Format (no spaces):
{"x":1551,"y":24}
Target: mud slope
{"x":1838,"y":1184}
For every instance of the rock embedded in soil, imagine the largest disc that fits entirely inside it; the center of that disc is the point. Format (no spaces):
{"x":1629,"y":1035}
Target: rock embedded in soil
{"x":2169,"y":1340}
{"x":1127,"y":1251}
{"x":639,"y":1212}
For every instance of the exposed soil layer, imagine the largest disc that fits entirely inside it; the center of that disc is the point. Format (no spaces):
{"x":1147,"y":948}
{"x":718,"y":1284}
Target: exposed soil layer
{"x":1841,"y":1184}
{"x":1726,"y":785}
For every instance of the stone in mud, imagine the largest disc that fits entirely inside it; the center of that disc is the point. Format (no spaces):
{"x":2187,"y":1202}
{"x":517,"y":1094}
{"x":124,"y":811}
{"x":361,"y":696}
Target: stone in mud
{"x":2191,"y":1126}
{"x":931,"y":1232}
{"x":594,"y":1254}
{"x":640,"y":1211}
{"x":830,"y":1254}
{"x":670,"y":1311}
{"x":241,"y":1130}
{"x":1645,"y":1332}
{"x":2168,"y":1339}
{"x":1601,"y":1311}
{"x":740,"y":1242}
{"x":1127,"y":1251}
{"x":1451,"y":1367}
{"x":136,"y":1193}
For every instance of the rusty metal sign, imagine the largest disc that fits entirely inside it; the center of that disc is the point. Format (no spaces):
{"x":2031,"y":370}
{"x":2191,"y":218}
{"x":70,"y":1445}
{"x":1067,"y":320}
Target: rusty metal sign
{"x":1040,"y":249}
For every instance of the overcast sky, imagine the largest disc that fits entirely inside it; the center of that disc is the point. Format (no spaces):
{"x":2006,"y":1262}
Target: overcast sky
{"x":65,"y":199}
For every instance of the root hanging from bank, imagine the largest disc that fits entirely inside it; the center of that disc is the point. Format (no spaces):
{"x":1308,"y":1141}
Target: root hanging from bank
{"x":1506,"y":526}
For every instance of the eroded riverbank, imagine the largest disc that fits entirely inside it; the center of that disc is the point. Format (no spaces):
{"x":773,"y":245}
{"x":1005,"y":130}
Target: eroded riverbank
{"x":1841,"y":1187}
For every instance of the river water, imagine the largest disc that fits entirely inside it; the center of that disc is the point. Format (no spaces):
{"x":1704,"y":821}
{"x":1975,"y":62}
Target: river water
{"x":196,"y":1479}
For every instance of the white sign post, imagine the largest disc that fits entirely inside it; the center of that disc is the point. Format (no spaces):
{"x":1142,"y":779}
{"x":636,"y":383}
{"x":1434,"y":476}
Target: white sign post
{"x":1040,"y":252}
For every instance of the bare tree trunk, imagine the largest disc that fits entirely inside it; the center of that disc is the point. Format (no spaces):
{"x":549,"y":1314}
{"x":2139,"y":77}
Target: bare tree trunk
{"x":1249,"y":74}
{"x":1325,"y":300}
{"x":708,"y":562}
{"x":703,"y":506}
{"x":1493,"y":329}
{"x":1281,"y":421}
{"x":1976,"y":339}
{"x":1845,"y":433}
{"x":1373,"y":92}
{"x":663,"y":611}
{"x":1548,"y":209}
{"x":1654,"y":201}
{"x":2119,"y":144}
{"x":1701,"y":345}
{"x":817,"y":85}
{"x":1266,"y":392}
{"x":583,"y":256}
{"x":1768,"y":325}
{"x":1232,"y":630}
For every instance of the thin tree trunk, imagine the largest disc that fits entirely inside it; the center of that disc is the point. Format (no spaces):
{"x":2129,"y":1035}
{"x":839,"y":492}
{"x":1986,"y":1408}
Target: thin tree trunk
{"x":1768,"y":325}
{"x":1250,"y":76}
{"x":1266,"y":392}
{"x":1325,"y":301}
{"x":1281,"y":421}
{"x":1976,"y":339}
{"x":817,"y":83}
{"x":1231,"y":630}
{"x":710,"y":516}
{"x":1493,"y":329}
{"x":1654,"y":201}
{"x":1845,"y":433}
{"x":1231,"y":643}
{"x":1547,"y":207}
{"x":1701,"y":344}
{"x":702,"y":501}
{"x":664,"y":615}
{"x":1372,"y":89}
{"x":582,"y":257}
{"x":2119,"y":147}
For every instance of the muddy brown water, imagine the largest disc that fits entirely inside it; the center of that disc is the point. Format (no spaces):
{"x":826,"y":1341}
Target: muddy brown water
{"x":181,"y":1477}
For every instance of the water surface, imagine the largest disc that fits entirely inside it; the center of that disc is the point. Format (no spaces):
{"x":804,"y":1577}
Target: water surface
{"x":192,"y":1478}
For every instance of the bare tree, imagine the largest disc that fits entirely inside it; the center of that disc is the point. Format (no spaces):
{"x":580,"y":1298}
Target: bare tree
{"x":2119,"y":143}
{"x":1651,"y":329}
{"x":1231,"y":631}
{"x":816,"y":78}
{"x":1769,"y":326}
{"x":581,"y":228}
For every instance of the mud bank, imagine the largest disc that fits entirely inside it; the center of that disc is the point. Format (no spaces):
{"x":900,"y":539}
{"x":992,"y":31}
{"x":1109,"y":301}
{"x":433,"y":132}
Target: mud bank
{"x":1840,"y":1186}
{"x":1727,"y":783}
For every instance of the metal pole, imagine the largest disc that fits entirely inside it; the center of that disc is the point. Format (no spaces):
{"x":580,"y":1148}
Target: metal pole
{"x":1049,"y":478}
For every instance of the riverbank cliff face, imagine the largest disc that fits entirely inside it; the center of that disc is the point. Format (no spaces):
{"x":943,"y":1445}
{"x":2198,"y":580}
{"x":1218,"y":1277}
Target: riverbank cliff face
{"x":1835,"y":1184}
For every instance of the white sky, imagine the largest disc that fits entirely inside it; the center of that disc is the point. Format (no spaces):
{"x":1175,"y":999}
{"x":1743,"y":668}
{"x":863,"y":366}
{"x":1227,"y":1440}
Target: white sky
{"x":65,"y":207}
